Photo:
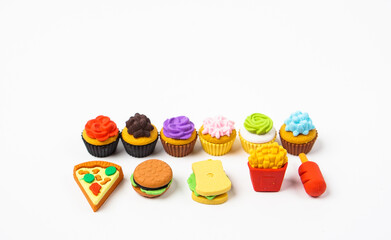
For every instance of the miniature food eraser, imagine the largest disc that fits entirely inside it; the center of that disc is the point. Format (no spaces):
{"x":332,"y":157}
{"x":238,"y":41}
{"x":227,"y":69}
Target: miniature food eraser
{"x":311,"y":177}
{"x":100,"y":136}
{"x":97,"y":180}
{"x":209,"y":183}
{"x":151,"y":178}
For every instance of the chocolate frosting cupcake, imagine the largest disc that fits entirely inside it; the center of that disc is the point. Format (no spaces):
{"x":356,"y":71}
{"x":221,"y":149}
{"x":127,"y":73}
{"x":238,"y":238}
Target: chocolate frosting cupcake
{"x":139,"y":136}
{"x":139,"y":126}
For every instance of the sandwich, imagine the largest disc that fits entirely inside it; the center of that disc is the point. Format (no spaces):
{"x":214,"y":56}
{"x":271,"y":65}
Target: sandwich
{"x":209,"y":183}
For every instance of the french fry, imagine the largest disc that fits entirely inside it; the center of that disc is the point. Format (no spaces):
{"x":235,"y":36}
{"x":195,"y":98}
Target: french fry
{"x":268,"y":156}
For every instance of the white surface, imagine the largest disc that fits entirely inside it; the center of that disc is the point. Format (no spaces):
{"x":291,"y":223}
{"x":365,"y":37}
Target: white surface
{"x":63,"y":63}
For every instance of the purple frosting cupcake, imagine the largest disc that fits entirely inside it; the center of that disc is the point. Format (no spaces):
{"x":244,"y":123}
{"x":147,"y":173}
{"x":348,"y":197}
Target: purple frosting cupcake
{"x":178,"y":128}
{"x":178,"y":136}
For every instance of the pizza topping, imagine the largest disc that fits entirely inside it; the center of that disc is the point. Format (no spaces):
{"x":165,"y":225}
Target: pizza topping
{"x":110,"y":171}
{"x":95,"y":188}
{"x":95,"y":171}
{"x":98,"y":178}
{"x":82,"y":172}
{"x":105,"y":181}
{"x":89,"y":178}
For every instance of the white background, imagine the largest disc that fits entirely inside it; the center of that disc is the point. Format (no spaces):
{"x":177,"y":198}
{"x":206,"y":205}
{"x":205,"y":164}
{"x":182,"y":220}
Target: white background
{"x":65,"y":62}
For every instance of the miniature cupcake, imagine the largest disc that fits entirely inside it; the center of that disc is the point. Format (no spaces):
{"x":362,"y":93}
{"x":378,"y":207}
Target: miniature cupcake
{"x":257,"y":129}
{"x":139,"y":136}
{"x":100,"y":136}
{"x":217,"y":135}
{"x":178,"y":136}
{"x":298,"y":134}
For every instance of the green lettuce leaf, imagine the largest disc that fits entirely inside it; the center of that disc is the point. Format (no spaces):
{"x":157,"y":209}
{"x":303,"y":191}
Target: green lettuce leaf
{"x":191,"y":181}
{"x":150,"y":192}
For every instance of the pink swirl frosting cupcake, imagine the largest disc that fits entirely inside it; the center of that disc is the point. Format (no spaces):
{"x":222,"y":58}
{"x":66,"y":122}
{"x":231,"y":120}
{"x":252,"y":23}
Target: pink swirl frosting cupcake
{"x":217,"y":135}
{"x":218,"y":126}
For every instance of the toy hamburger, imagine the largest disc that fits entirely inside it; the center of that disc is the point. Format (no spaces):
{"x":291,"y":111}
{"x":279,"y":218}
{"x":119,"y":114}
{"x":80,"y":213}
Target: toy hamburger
{"x":151,"y":178}
{"x":209,"y":183}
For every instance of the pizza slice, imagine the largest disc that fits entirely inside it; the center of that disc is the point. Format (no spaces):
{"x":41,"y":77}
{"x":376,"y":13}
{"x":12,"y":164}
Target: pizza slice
{"x":97,"y":180}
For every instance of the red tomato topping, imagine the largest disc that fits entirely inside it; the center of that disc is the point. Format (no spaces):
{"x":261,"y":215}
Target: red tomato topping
{"x":95,"y":188}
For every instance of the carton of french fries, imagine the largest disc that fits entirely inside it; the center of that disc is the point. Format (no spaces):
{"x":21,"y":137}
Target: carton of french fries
{"x":267,"y":165}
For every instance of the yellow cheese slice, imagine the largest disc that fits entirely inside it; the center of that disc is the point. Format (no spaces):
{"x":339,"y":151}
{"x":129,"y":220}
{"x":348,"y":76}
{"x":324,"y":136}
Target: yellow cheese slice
{"x":210,"y":178}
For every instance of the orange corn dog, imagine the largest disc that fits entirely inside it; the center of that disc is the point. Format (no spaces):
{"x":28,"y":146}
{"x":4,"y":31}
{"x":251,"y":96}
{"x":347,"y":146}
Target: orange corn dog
{"x":311,"y":177}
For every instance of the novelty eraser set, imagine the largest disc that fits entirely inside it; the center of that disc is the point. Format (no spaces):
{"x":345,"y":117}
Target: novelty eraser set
{"x":208,"y":182}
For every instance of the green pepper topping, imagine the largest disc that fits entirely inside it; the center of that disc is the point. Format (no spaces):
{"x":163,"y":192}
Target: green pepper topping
{"x":89,"y":178}
{"x":110,"y":170}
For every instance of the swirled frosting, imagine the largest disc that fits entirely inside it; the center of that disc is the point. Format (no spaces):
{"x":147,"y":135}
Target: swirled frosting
{"x":218,"y":127}
{"x":299,"y":123}
{"x":139,"y":126}
{"x":258,"y":123}
{"x":101,"y":128}
{"x":178,"y":128}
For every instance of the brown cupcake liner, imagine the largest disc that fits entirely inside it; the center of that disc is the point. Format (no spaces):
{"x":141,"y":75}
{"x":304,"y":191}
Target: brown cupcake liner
{"x":178,"y":150}
{"x":296,"y":149}
{"x":139,"y":151}
{"x":101,"y":151}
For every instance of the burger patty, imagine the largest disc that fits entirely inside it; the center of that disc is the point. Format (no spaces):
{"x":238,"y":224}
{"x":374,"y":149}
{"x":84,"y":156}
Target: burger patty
{"x":147,"y":188}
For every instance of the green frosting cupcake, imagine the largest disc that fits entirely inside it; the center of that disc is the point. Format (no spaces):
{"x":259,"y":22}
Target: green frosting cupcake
{"x":258,"y":123}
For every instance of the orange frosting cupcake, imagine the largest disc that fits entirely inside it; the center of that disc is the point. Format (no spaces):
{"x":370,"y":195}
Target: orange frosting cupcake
{"x":100,"y":135}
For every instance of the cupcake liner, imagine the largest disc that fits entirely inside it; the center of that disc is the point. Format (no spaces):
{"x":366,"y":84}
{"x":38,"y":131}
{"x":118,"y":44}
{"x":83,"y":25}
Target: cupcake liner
{"x":296,"y":149}
{"x":216,"y":149}
{"x":101,"y":151}
{"x":139,"y":151}
{"x":178,"y":150}
{"x":247,"y":146}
